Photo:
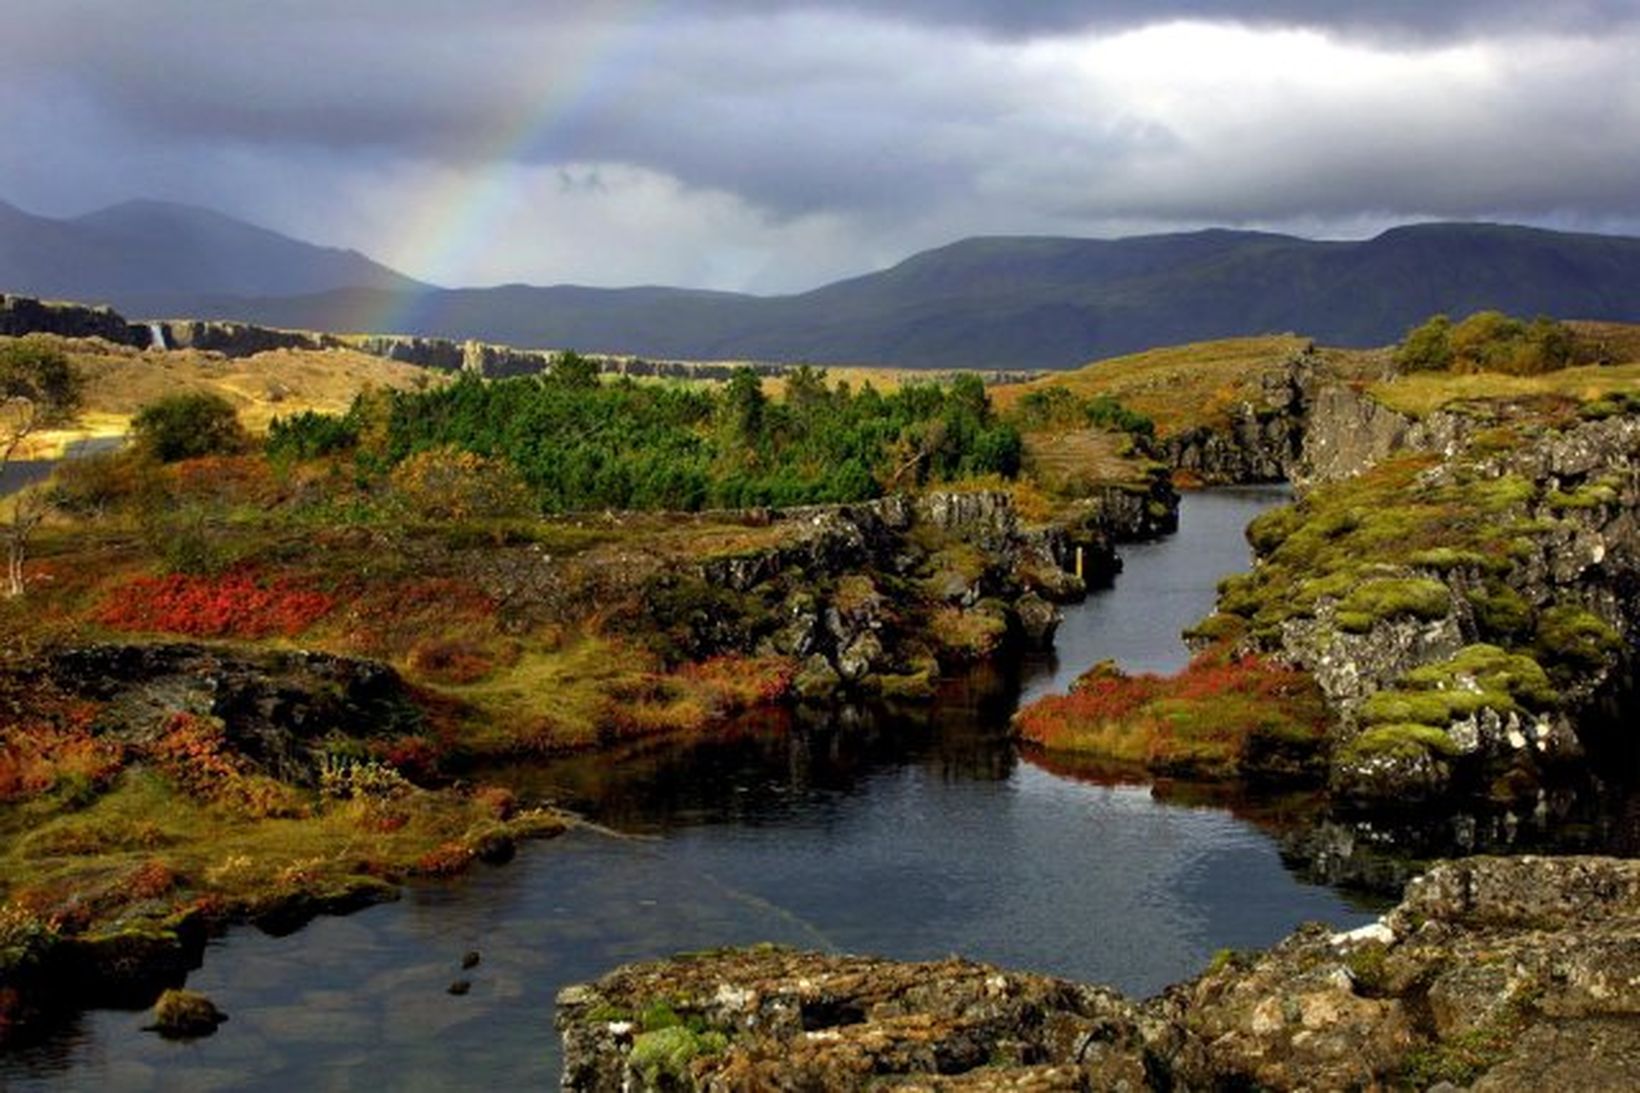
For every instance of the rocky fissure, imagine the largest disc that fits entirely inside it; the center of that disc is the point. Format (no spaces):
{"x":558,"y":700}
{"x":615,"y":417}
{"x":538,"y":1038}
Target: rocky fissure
{"x":868,"y":597}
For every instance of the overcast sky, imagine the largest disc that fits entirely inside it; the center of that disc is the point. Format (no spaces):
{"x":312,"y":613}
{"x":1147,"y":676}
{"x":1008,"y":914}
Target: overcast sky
{"x":772,"y":145}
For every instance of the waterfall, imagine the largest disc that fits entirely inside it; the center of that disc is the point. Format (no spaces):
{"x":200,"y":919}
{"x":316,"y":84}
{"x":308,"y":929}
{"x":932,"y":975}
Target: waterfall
{"x":156,"y":336}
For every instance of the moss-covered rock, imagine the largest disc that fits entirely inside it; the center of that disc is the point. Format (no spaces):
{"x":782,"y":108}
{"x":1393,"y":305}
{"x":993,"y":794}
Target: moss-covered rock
{"x":1515,"y":973}
{"x":181,"y":1014}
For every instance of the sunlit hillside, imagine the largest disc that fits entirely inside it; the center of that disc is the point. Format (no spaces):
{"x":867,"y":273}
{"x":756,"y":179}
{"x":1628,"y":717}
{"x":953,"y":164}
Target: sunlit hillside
{"x":120,"y":380}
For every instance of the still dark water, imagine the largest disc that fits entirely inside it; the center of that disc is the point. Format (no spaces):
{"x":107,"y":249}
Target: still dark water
{"x":914,"y":835}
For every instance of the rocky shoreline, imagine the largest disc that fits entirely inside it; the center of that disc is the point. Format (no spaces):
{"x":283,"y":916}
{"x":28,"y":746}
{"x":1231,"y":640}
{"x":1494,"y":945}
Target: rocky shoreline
{"x":1492,"y":974}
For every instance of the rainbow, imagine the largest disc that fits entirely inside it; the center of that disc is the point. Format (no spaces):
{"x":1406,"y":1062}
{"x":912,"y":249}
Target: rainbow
{"x":464,"y":211}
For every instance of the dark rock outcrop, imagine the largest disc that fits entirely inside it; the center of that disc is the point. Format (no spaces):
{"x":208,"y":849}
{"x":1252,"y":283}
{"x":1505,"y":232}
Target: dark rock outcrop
{"x":20,"y":315}
{"x":851,"y":591}
{"x":275,"y":708}
{"x":1492,"y":974}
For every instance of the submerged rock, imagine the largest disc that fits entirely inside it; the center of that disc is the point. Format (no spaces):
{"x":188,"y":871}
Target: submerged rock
{"x":1493,"y":973}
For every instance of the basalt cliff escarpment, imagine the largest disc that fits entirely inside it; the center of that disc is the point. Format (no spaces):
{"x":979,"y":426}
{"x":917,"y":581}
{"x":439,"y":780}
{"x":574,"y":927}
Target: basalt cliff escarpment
{"x":1459,"y":576}
{"x":1475,"y":571}
{"x":1492,"y":974}
{"x":22,"y":315}
{"x":869,"y":598}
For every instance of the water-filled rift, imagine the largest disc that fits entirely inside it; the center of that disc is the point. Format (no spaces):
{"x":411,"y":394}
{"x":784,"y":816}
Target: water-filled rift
{"x":912,"y":834}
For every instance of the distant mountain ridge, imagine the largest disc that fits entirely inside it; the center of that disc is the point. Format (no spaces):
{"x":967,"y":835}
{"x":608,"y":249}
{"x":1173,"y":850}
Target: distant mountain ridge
{"x":165,"y":249}
{"x":996,"y":301}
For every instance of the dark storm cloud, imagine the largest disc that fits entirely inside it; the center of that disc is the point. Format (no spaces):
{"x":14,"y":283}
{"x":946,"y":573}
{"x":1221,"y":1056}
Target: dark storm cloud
{"x":897,"y":124}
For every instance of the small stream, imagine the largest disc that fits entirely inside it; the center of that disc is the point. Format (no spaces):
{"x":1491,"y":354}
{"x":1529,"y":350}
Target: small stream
{"x":912,"y":834}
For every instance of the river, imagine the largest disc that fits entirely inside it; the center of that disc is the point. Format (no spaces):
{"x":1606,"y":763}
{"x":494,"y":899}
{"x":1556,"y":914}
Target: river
{"x":910,"y":835}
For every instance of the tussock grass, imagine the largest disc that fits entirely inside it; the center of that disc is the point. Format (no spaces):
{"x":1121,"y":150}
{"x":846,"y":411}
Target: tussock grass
{"x":1422,"y":393}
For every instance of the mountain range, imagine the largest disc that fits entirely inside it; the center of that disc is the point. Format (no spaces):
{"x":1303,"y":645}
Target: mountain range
{"x":1001,"y":301}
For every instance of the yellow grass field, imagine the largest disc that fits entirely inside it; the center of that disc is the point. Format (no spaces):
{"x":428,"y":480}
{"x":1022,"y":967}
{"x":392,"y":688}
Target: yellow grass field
{"x":120,"y":380}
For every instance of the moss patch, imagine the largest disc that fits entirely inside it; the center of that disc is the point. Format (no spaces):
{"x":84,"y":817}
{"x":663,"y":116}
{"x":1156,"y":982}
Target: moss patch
{"x":1401,"y":740}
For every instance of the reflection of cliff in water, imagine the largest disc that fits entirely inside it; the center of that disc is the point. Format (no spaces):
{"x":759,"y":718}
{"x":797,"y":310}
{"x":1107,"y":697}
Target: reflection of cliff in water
{"x":764,"y":766}
{"x":1381,"y":850}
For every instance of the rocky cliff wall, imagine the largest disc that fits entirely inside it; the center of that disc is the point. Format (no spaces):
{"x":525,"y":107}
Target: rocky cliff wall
{"x":1307,"y":423}
{"x":238,"y":339}
{"x":20,"y":315}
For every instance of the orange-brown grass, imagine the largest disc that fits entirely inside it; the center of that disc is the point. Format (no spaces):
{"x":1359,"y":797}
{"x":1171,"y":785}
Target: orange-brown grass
{"x":393,"y":617}
{"x":46,"y":752}
{"x":1179,"y":386}
{"x":697,"y":696}
{"x":1199,"y":722}
{"x":1071,"y":462}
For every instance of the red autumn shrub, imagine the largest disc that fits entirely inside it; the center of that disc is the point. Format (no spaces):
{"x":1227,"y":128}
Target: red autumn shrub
{"x":192,"y":752}
{"x":445,"y":860}
{"x":150,"y":880}
{"x":1201,"y":719}
{"x":234,"y":604}
{"x":415,"y":757}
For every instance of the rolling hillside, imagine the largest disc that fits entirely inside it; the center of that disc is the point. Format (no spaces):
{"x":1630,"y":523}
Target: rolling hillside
{"x":1008,"y":302}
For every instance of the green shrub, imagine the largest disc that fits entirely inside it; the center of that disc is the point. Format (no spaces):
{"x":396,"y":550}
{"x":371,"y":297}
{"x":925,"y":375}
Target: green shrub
{"x":35,"y":371}
{"x":1502,"y":613}
{"x":187,"y":426}
{"x":446,"y":483}
{"x":1391,"y":707}
{"x":1270,"y":529}
{"x":97,"y":485}
{"x":1591,"y":495}
{"x":25,"y":937}
{"x":1427,"y":347}
{"x":1495,"y":671}
{"x":1487,"y":341}
{"x":308,"y":435}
